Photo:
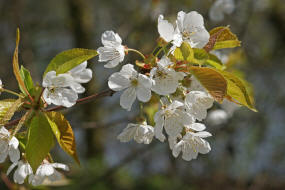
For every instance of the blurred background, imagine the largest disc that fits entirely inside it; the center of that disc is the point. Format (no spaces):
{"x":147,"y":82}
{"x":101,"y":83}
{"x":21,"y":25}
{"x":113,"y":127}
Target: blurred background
{"x":247,"y":148}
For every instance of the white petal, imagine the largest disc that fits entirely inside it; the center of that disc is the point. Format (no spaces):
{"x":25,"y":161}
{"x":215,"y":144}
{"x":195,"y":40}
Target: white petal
{"x":165,"y":29}
{"x":128,"y":71}
{"x":203,"y":134}
{"x":128,"y":133}
{"x":177,"y":149}
{"x":14,"y":142}
{"x":159,"y":122}
{"x":61,"y":80}
{"x":118,"y":82}
{"x":193,"y":20}
{"x":47,"y":81}
{"x":84,"y":76}
{"x":180,"y":20}
{"x":173,"y":126}
{"x":60,"y":166}
{"x":23,"y":170}
{"x":14,"y":154}
{"x":11,"y":167}
{"x":143,"y":93}
{"x":79,"y":68}
{"x":111,"y":39}
{"x":175,"y":104}
{"x":65,"y":97}
{"x":127,"y":98}
{"x":77,"y":87}
{"x":200,"y":38}
{"x":4,"y":131}
{"x":197,"y":126}
{"x":145,"y":81}
{"x":3,"y":156}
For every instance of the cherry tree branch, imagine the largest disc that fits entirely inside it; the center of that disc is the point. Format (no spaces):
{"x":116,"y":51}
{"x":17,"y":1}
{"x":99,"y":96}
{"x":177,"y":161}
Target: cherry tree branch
{"x":84,"y":100}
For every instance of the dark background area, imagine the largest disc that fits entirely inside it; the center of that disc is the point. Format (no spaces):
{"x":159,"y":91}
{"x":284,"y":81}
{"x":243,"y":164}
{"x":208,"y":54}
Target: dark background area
{"x":247,"y":152}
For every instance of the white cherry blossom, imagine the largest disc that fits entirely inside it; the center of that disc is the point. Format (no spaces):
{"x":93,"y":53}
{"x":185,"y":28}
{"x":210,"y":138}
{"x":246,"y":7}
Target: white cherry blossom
{"x":197,"y":103}
{"x":113,"y":51}
{"x":190,"y":28}
{"x":47,"y":171}
{"x":8,"y":146}
{"x":165,"y":79}
{"x":22,"y":172}
{"x":134,"y":85}
{"x":57,"y":89}
{"x":172,"y":118}
{"x":219,"y":8}
{"x":80,"y":74}
{"x":167,"y":31}
{"x":192,"y":143}
{"x":141,"y":133}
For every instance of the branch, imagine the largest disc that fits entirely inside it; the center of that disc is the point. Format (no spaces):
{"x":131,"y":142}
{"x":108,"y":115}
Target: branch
{"x":84,"y":100}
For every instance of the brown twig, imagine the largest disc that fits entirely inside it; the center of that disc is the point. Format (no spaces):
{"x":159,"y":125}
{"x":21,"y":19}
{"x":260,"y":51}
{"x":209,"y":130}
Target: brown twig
{"x":84,"y":100}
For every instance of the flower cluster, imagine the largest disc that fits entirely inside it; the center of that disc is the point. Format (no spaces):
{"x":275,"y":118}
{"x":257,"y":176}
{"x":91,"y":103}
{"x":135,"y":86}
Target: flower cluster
{"x":9,"y":145}
{"x":177,"y":116}
{"x":63,"y":89}
{"x":175,"y":85}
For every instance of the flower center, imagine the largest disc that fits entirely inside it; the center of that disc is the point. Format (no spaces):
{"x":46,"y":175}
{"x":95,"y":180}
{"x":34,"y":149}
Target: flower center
{"x":186,"y":34}
{"x":161,"y":74}
{"x":134,"y":82}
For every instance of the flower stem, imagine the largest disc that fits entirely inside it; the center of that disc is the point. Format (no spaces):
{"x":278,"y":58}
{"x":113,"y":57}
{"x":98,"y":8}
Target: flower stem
{"x":136,"y":51}
{"x":12,"y":92}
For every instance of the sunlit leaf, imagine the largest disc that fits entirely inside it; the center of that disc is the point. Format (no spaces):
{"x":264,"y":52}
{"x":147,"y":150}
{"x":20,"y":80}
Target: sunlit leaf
{"x":69,"y":59}
{"x":40,"y":140}
{"x":200,"y":56}
{"x":212,"y":80}
{"x":63,"y":133}
{"x":184,"y":52}
{"x":222,"y":37}
{"x":239,"y":91}
{"x":11,"y":110}
{"x":28,"y":81}
{"x":215,"y":62}
{"x":4,"y":107}
{"x":16,"y":69}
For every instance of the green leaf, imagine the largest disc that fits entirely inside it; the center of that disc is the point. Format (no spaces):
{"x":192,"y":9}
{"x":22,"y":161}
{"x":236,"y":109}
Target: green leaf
{"x":16,"y":69}
{"x":191,"y":55}
{"x":13,"y":107}
{"x":63,"y":133}
{"x":28,"y":81}
{"x":69,"y":59}
{"x":212,"y":80}
{"x":215,"y":62}
{"x":40,"y":140}
{"x":239,"y":91}
{"x":184,"y":52}
{"x":200,"y":56}
{"x":222,"y":37}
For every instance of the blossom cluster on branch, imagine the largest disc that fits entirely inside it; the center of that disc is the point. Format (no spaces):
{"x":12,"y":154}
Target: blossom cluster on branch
{"x":179,"y":81}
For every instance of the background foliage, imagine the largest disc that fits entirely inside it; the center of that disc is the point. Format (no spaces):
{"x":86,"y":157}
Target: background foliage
{"x":247,"y":152}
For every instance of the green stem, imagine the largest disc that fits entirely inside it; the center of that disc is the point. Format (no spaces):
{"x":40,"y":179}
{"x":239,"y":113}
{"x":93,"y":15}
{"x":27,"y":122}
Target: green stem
{"x":136,"y":51}
{"x":162,"y":48}
{"x":155,"y":49}
{"x":12,"y":92}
